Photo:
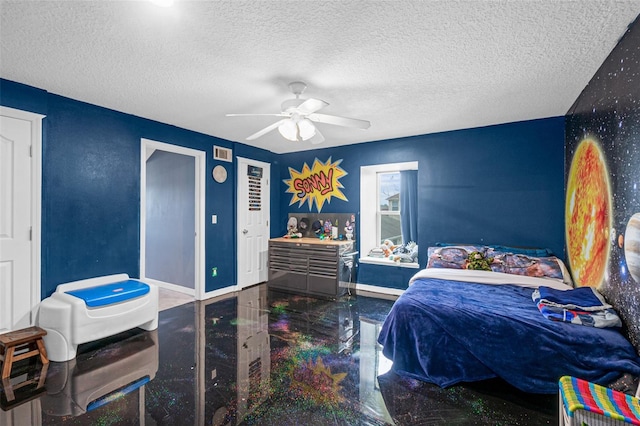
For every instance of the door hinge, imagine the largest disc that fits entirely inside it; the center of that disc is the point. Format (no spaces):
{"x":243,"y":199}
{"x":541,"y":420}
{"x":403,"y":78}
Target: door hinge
{"x":267,"y":222}
{"x":30,"y":150}
{"x":30,"y":233}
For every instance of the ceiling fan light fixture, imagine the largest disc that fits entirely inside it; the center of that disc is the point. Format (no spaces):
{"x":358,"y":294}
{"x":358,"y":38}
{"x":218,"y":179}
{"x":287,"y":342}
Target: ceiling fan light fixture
{"x":289,"y":130}
{"x":306,"y":128}
{"x":301,"y":116}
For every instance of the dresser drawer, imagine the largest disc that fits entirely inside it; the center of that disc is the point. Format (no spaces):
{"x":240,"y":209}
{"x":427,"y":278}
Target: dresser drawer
{"x":306,"y":266}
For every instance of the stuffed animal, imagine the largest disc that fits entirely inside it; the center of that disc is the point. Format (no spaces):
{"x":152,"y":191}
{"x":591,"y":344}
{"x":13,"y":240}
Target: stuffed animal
{"x":477,"y":260}
{"x":327,"y":227}
{"x":387,"y":247}
{"x":292,"y":228}
{"x":348,"y":230}
{"x":414,"y":253}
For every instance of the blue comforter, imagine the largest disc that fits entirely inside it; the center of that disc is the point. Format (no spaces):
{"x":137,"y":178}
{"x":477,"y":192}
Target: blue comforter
{"x":446,"y":332}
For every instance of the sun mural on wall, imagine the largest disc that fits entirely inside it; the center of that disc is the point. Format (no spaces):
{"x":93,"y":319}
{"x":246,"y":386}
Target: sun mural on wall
{"x":588,"y":214}
{"x":602,"y":166}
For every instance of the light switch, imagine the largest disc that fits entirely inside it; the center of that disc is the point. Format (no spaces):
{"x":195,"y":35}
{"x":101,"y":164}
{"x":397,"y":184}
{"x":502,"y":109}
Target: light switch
{"x":214,"y":219}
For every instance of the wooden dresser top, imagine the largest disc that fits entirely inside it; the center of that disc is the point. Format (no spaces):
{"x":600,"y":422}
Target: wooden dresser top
{"x":307,"y":240}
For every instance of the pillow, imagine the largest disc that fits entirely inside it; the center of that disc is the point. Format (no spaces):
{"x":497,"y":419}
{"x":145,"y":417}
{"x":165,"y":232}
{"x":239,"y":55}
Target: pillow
{"x":528,"y":251}
{"x":531,"y":266}
{"x":446,"y":257}
{"x":451,"y":257}
{"x":455,"y":257}
{"x":467,"y":247}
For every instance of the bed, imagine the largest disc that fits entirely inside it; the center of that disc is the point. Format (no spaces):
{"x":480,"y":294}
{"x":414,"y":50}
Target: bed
{"x":457,"y":325}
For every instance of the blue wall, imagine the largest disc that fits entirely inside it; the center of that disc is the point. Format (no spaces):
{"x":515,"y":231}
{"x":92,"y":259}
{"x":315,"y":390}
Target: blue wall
{"x":500,"y":184}
{"x":91,"y":188}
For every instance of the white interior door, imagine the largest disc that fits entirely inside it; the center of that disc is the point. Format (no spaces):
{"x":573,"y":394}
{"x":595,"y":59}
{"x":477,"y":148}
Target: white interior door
{"x":253,"y":221}
{"x":20,"y":181}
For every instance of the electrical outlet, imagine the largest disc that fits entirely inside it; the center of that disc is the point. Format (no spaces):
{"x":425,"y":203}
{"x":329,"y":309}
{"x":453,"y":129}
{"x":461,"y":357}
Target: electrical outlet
{"x":214,"y":272}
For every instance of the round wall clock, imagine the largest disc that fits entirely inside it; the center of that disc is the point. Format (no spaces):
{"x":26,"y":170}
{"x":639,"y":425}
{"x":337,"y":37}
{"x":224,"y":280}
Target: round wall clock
{"x":219,"y":173}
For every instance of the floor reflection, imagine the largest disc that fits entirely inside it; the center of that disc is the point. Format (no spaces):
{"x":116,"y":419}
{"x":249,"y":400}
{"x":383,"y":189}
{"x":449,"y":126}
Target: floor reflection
{"x":86,"y":383}
{"x":259,"y":358}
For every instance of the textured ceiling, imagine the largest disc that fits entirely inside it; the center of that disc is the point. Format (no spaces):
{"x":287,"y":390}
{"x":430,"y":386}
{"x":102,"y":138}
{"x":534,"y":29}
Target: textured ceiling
{"x":409,"y":67}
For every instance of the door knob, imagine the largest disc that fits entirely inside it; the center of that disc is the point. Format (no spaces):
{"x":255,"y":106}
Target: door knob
{"x":244,"y":231}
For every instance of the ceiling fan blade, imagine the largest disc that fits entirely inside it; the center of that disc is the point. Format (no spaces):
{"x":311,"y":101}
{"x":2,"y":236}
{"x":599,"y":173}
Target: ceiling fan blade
{"x":266,"y":129}
{"x":253,"y":115}
{"x":317,"y":138}
{"x":339,"y":121}
{"x":310,"y":106}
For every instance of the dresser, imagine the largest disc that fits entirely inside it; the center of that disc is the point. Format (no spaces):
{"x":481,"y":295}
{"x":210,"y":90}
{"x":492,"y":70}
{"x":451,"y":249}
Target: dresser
{"x":320,"y":268}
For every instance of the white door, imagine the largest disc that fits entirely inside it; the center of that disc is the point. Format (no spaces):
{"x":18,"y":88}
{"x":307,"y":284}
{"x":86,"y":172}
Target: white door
{"x":253,"y":221}
{"x":20,"y":176}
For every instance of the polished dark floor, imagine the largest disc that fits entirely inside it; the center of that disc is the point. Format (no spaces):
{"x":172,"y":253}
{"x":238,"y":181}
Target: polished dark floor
{"x":257,"y":358}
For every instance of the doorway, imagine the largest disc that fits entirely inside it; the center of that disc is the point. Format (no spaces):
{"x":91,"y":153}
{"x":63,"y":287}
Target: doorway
{"x":253,"y":213}
{"x":20,"y":213}
{"x":172,"y":193}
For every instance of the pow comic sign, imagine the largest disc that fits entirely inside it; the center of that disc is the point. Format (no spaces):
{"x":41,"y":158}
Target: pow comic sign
{"x":317,"y":184}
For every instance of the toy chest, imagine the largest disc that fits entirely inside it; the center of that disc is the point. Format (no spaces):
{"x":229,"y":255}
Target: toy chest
{"x":95,"y":308}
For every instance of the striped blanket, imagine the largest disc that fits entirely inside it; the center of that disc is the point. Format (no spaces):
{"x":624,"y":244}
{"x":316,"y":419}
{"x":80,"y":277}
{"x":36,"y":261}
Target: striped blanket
{"x":578,"y":394}
{"x":582,"y":305}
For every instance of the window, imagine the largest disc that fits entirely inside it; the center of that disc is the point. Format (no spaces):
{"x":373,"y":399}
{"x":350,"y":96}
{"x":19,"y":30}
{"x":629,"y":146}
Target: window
{"x":388,"y":214}
{"x":380,"y":207}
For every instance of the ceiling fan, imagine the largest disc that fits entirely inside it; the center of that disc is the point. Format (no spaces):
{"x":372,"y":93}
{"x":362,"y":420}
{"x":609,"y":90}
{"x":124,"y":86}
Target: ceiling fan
{"x":299,"y":115}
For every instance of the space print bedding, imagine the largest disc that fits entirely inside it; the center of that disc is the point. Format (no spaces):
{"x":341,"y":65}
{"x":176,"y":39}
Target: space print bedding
{"x":457,"y":325}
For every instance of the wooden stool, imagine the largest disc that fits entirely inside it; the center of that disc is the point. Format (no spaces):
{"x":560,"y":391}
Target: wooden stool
{"x":29,"y":339}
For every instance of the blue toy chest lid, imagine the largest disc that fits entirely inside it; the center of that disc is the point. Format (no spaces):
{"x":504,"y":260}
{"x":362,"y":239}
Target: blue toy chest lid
{"x":108,"y":294}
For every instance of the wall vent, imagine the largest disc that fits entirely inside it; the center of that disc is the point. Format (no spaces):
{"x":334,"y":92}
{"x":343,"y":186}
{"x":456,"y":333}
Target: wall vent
{"x":224,"y":154}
